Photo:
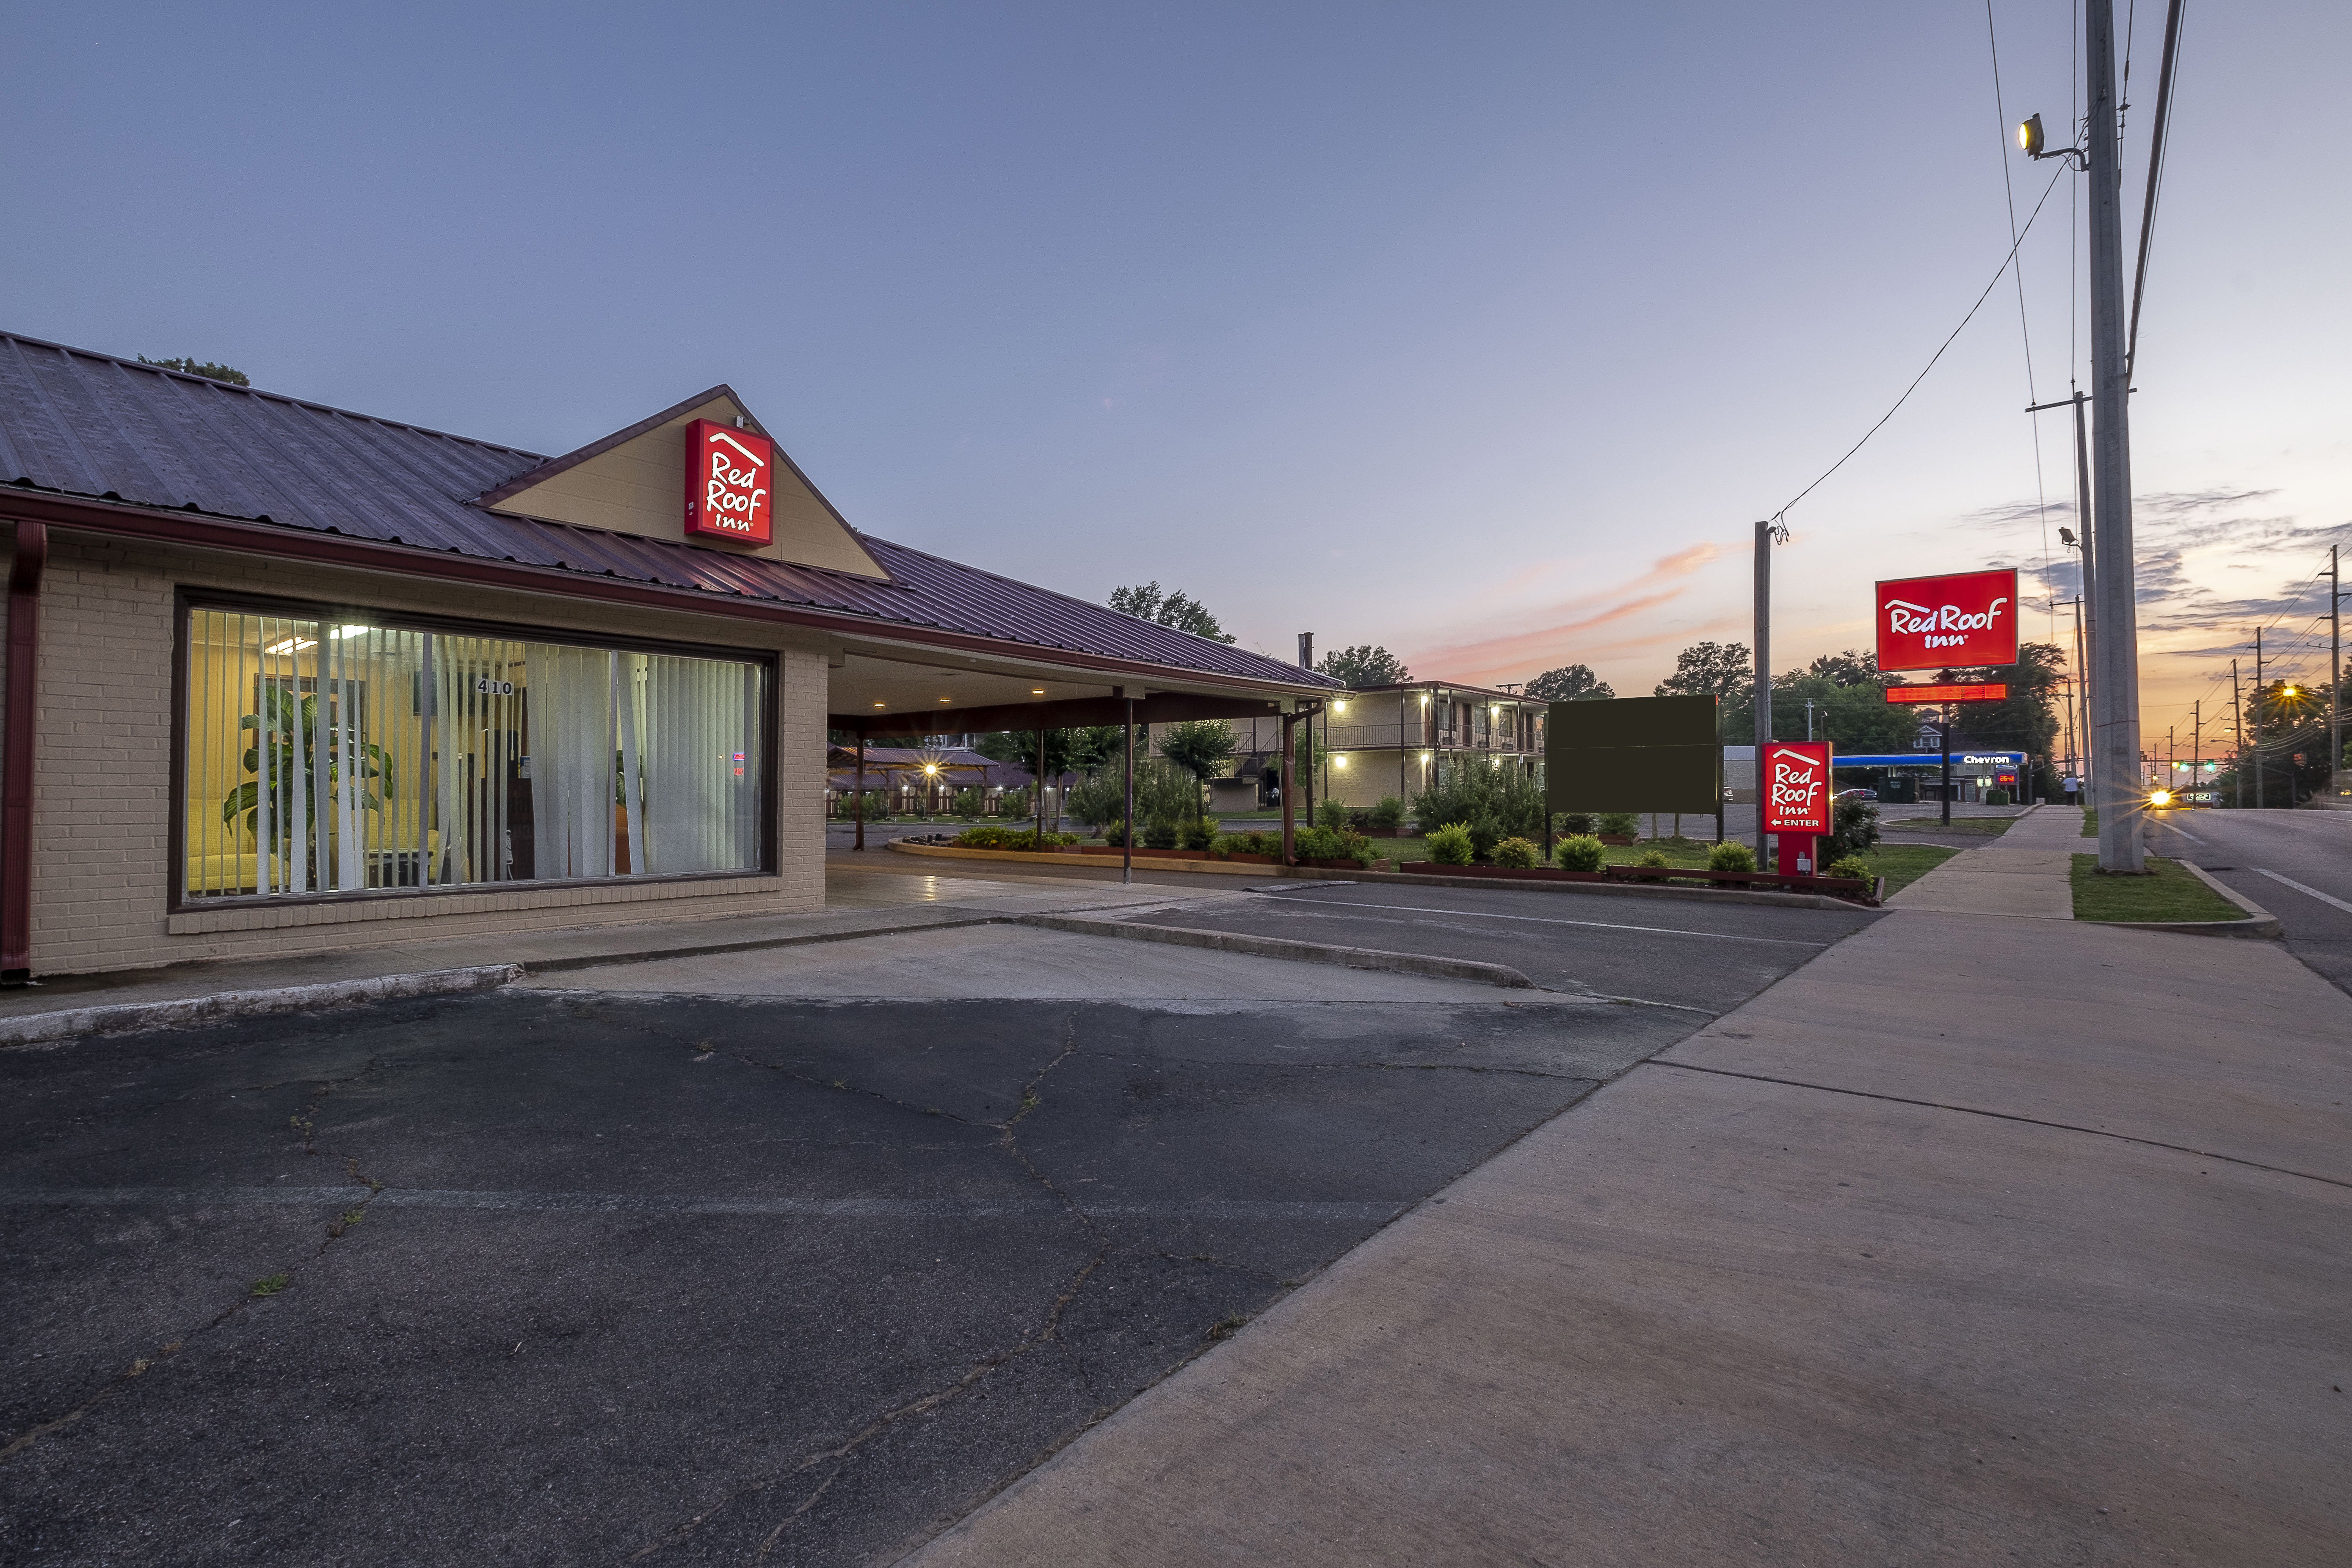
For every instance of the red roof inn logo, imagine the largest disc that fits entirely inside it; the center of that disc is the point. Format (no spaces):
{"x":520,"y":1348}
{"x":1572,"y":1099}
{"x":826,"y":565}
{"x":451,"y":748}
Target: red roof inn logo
{"x":1933,"y":623}
{"x":729,"y":476}
{"x":1797,"y":787}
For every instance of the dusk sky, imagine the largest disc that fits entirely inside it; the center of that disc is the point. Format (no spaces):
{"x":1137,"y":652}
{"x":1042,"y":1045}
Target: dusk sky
{"x":1483,"y":332}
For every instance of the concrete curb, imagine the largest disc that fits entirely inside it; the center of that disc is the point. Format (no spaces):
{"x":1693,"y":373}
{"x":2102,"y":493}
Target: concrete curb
{"x":1282,"y":947}
{"x":51,"y":1028}
{"x":2261,"y":925}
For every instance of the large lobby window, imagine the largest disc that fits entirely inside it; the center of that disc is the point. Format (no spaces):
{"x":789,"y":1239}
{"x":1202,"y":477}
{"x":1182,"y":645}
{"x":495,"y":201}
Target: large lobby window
{"x":330,"y":754}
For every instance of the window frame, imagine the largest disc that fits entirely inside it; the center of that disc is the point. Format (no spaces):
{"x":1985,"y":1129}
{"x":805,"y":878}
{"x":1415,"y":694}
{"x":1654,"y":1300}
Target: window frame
{"x":186,"y":601}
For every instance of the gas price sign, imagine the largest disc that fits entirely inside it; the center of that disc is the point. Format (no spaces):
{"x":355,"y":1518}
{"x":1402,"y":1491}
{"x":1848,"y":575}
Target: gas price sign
{"x":1930,"y":623}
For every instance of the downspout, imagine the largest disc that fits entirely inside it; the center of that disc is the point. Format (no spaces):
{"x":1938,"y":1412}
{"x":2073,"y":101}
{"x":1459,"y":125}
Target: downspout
{"x":17,"y":770}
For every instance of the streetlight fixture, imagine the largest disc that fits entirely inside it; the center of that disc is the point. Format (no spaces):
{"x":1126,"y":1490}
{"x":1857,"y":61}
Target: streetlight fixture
{"x":2031,"y":140}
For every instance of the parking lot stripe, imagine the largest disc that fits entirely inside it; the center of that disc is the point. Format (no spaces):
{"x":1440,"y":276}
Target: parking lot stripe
{"x":672,"y":1204}
{"x":1552,"y":920}
{"x":2298,"y":887}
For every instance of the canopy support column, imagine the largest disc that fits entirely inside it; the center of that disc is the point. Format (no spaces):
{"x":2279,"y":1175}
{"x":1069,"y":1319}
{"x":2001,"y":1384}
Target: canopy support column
{"x":1289,"y":766}
{"x":859,"y":794}
{"x":1127,"y":839}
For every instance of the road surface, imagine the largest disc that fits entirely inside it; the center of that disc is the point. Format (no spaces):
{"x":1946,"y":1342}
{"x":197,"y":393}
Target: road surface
{"x":2295,"y":864}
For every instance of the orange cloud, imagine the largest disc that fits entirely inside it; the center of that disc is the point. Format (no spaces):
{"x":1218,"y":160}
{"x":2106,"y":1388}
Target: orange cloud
{"x":1564,"y":632}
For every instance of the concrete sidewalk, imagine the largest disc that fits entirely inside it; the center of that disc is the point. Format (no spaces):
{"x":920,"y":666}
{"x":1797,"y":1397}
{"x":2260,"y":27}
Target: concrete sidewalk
{"x":1974,"y":1240}
{"x":2025,"y":872}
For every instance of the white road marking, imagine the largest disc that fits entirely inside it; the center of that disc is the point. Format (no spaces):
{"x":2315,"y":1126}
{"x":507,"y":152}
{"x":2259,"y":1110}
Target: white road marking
{"x":2315,"y":892}
{"x":1545,"y":919}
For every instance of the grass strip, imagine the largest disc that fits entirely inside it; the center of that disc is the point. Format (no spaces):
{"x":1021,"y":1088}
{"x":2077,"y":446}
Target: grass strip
{"x":1989,"y":826}
{"x":2169,"y":892}
{"x":2090,"y":822}
{"x":1904,"y":864}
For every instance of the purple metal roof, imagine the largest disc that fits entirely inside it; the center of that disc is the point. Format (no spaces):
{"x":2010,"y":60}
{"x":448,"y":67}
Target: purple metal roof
{"x":91,"y":425}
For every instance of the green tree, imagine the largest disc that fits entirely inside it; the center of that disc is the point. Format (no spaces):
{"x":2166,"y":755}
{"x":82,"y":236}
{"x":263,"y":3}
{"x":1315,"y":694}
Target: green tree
{"x":1723,"y":671}
{"x":1570,"y":683}
{"x":204,"y":368}
{"x":1200,"y":748}
{"x":2027,"y":720}
{"x":1180,"y":610}
{"x":1365,"y":665}
{"x":1066,"y":751}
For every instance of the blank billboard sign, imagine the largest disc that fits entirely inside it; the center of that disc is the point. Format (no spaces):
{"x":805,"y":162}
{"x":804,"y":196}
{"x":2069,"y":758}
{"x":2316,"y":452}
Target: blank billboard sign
{"x":1634,"y":753}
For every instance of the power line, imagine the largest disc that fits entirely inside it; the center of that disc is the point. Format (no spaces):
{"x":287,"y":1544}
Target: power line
{"x":2158,"y":140}
{"x":2033,"y":395}
{"x":1938,"y":354}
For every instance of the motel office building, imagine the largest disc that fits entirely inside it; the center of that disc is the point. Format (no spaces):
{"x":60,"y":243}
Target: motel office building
{"x":284,"y":678}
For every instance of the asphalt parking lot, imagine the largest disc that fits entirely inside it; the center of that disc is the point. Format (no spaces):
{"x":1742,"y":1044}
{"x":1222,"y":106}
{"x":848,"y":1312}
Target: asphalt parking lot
{"x":1680,"y":952}
{"x":588,"y":1277}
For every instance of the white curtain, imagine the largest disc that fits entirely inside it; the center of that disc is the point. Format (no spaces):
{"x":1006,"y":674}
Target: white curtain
{"x":571,"y":768}
{"x":699,"y":723}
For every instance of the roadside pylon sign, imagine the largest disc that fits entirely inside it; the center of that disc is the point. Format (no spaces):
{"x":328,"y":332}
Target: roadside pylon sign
{"x":1797,"y":787}
{"x":1935,"y":623}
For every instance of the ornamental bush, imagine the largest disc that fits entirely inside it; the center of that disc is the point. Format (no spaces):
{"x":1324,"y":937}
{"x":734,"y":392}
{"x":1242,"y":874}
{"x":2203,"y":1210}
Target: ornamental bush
{"x":1622,"y":824}
{"x":1731,"y":856}
{"x":1853,"y":830}
{"x":970,"y":803}
{"x":1198,"y":834}
{"x":1161,"y":833}
{"x":1516,"y":854}
{"x":1853,"y":866}
{"x":1576,"y":824}
{"x":1330,"y":813}
{"x":1451,"y":845}
{"x":1655,"y":861}
{"x":1579,"y":852}
{"x":1389,"y":815}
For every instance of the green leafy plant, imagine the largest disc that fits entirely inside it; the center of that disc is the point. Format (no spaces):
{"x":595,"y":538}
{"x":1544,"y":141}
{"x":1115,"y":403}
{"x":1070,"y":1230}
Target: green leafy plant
{"x":1493,"y":802}
{"x":970,"y":803}
{"x":1853,"y":866}
{"x":1013,"y":803}
{"x":1161,"y":833}
{"x":1198,"y":834}
{"x":1731,"y":856}
{"x":292,"y":738}
{"x":1574,"y":823}
{"x":1854,"y":829}
{"x":1452,"y":844}
{"x":1200,"y":748}
{"x":1330,"y":813}
{"x":1579,"y":852}
{"x":1655,"y":861}
{"x":1388,"y":815}
{"x":1518,"y":854}
{"x":1620,"y":824}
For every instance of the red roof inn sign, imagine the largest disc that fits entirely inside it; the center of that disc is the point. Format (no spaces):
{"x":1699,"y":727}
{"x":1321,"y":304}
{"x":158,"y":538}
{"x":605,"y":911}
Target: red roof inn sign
{"x":1933,"y":623}
{"x":730,"y":477}
{"x":1797,"y":787}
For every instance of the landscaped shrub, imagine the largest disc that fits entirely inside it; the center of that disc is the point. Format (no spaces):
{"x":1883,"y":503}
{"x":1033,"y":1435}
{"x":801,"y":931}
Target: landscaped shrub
{"x":1115,"y":833}
{"x":992,"y":836}
{"x":970,"y":803}
{"x":1262,"y":844}
{"x":1161,"y":833}
{"x":1388,"y":815}
{"x":1013,"y":803}
{"x":1493,"y":802}
{"x":1622,"y":823}
{"x":1853,"y":866}
{"x":1330,"y":813}
{"x":1996,"y":797}
{"x":1655,"y":861}
{"x":1731,"y":856}
{"x":1576,"y":824}
{"x":1198,"y":834}
{"x":1451,"y":845}
{"x":1518,"y":853}
{"x":1099,"y":798}
{"x":1579,"y":852}
{"x":986,"y":836}
{"x":1854,"y":829}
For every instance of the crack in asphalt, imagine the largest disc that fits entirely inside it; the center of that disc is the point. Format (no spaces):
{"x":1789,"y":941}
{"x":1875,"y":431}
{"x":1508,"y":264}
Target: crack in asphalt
{"x":304,"y":1121}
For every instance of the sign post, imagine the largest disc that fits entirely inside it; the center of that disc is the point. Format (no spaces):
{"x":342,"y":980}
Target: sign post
{"x":1795,"y":781}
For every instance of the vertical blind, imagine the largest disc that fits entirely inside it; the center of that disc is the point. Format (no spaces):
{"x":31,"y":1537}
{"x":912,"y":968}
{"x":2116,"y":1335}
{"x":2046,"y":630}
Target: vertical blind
{"x":340,"y":756}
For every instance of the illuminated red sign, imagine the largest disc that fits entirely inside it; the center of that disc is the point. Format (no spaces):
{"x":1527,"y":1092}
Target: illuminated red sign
{"x":1797,"y":786}
{"x":1927,"y":622}
{"x":1994,"y":691}
{"x":730,"y":479}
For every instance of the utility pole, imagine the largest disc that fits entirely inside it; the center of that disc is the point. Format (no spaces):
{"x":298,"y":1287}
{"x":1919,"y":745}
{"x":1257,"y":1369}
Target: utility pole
{"x":1765,"y":534}
{"x":2238,"y":728}
{"x":2258,"y":718}
{"x":2196,"y":739}
{"x":2334,"y":675}
{"x":2115,"y":693}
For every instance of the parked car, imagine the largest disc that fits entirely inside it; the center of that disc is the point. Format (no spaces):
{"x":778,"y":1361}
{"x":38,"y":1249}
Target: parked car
{"x":1857,"y":794}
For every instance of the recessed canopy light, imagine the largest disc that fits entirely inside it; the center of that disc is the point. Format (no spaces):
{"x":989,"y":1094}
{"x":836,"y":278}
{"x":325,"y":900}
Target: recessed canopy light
{"x":1036,"y":691}
{"x":947,"y":699}
{"x":878,"y":705}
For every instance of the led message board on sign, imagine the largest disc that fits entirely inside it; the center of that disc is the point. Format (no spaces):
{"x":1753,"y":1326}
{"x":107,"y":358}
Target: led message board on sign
{"x":1797,"y":786}
{"x":730,"y":479}
{"x":1995,"y":691}
{"x":1926,"y":623}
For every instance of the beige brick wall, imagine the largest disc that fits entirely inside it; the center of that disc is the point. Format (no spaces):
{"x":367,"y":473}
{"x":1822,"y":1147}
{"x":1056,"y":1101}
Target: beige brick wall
{"x":102,"y":796}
